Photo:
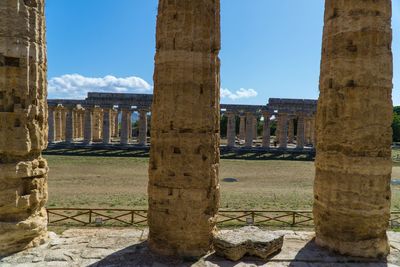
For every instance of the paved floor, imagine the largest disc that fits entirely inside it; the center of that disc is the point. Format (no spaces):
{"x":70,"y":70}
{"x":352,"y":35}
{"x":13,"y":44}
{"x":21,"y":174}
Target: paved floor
{"x":127,"y":247}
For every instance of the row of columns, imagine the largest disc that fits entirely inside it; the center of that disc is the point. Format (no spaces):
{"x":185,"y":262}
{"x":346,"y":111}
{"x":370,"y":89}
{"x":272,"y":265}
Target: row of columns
{"x":94,"y":124}
{"x":284,"y":132}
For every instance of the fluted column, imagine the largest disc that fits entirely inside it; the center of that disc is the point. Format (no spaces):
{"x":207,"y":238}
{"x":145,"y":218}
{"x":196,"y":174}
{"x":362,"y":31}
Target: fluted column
{"x":106,"y":125}
{"x":116,"y":124}
{"x":125,"y":122}
{"x":242,"y":127}
{"x":88,"y":125}
{"x":142,"y":127}
{"x":249,"y":129}
{"x":231,"y":129}
{"x":63,"y":123}
{"x":184,"y":158}
{"x":24,"y":125}
{"x":52,"y":125}
{"x":266,"y":130}
{"x":300,"y":132}
{"x":283,"y":130}
{"x":58,"y":124}
{"x":291,"y":130}
{"x":69,"y":130}
{"x":354,"y":117}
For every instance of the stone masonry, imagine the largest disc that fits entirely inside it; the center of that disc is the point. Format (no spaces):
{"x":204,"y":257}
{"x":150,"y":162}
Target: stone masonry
{"x":23,"y":125}
{"x":353,"y":163}
{"x":184,"y":158}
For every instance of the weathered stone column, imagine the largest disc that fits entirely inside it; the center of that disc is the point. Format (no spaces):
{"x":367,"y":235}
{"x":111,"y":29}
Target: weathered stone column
{"x":63,"y":123}
{"x":58,"y":124}
{"x":88,"y":132}
{"x":255,"y":121}
{"x":300,"y":132}
{"x":231,"y":129}
{"x":291,"y":130}
{"x":184,"y":158}
{"x":116,"y":124}
{"x":52,"y":125}
{"x":353,"y":162}
{"x":125,"y":122}
{"x":283,"y":130}
{"x":142,"y":127}
{"x":69,"y":127}
{"x":266,"y":130}
{"x":249,"y":129}
{"x":106,"y":125}
{"x":242,"y":127}
{"x":23,"y":125}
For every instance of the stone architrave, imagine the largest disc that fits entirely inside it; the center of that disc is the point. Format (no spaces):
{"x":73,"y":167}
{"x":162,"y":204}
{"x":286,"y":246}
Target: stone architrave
{"x":353,"y":160}
{"x":231,"y":129}
{"x":184,"y":157}
{"x":23,"y":125}
{"x":249,"y":129}
{"x":266,"y":130}
{"x":142,"y":127}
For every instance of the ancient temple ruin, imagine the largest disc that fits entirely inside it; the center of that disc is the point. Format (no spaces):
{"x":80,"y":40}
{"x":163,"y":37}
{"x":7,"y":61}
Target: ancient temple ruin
{"x":353,"y":164}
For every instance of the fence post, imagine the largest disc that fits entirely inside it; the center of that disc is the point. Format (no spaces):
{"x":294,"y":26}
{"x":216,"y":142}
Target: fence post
{"x":293,"y":219}
{"x":253,"y":217}
{"x":90,"y":216}
{"x":48,"y":216}
{"x":132,"y":217}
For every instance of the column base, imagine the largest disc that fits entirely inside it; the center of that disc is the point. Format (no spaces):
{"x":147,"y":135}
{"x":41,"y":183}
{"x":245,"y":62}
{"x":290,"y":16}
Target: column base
{"x":371,"y":248}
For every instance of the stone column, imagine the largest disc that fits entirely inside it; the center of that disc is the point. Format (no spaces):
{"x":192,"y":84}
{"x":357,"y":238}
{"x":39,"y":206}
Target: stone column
{"x":283,"y":130}
{"x":242,"y":127}
{"x":82,"y":114}
{"x":184,"y":158}
{"x":266,"y":130}
{"x":231,"y":129}
{"x":59,"y":124}
{"x":255,"y":121}
{"x":116,"y":124}
{"x":354,"y":117}
{"x":69,"y":129}
{"x":106,"y":126}
{"x":291,"y":131}
{"x":125,"y":121}
{"x":52,"y":125}
{"x":312,"y":131}
{"x":88,"y":132}
{"x":249,"y":129}
{"x":63,"y":123}
{"x":300,"y":132}
{"x":23,"y":126}
{"x":142,"y":127}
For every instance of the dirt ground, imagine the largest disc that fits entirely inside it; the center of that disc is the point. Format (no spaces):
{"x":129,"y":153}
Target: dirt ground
{"x":109,"y":182}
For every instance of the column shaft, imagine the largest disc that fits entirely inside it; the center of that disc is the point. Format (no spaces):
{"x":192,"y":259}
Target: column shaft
{"x":242,"y":127}
{"x":231,"y":129}
{"x":291,"y":131}
{"x":69,"y":130}
{"x":106,"y":126}
{"x":142,"y":127}
{"x":125,"y":121}
{"x":283,"y":130}
{"x":52,"y":125}
{"x":184,"y":156}
{"x":24,"y":126}
{"x":249,"y":129}
{"x":300,"y":132}
{"x":354,"y":117}
{"x":266,"y":130}
{"x":88,"y":133}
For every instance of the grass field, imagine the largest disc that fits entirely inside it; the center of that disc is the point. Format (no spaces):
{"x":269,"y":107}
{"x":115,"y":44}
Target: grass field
{"x":101,"y":182}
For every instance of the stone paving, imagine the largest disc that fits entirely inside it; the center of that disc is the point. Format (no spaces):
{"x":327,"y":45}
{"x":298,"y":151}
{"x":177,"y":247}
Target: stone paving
{"x":127,"y":247}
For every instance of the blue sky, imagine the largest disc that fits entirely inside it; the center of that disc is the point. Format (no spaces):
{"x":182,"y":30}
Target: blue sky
{"x":270,"y":48}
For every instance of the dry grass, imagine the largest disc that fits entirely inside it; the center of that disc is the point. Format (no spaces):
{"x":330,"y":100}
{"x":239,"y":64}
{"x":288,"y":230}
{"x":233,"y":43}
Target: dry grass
{"x":100,"y":182}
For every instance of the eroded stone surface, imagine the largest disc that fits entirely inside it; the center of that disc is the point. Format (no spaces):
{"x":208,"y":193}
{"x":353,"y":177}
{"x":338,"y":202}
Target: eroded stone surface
{"x":23,"y":125}
{"x":184,"y":158}
{"x":127,"y":247}
{"x":353,"y":162}
{"x":234,"y":244}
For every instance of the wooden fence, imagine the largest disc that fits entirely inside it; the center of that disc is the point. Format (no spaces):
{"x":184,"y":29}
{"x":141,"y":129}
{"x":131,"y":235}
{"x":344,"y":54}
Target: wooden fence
{"x":121,"y":217}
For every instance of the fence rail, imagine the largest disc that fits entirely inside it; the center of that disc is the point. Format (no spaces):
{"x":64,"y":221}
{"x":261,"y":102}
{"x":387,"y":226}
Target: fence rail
{"x":119,"y":217}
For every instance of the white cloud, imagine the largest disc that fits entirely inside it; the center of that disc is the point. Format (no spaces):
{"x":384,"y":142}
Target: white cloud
{"x":239,"y":94}
{"x":76,"y":86}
